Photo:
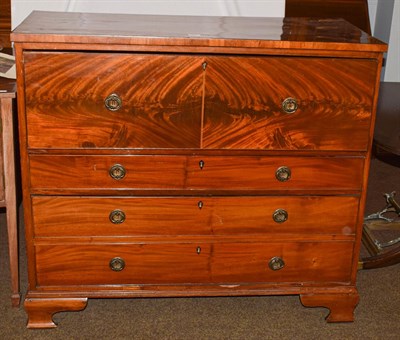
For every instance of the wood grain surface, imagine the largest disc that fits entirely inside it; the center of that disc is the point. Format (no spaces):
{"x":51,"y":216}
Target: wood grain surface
{"x":192,"y":31}
{"x":244,"y":96}
{"x":162,"y":102}
{"x":183,"y":172}
{"x":65,"y":100}
{"x":227,"y":263}
{"x":152,"y":216}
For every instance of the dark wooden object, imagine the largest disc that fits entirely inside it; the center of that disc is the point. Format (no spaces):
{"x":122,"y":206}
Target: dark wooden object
{"x":387,"y":130}
{"x":201,"y":143}
{"x":5,"y":23}
{"x":354,"y":11}
{"x":7,"y":182}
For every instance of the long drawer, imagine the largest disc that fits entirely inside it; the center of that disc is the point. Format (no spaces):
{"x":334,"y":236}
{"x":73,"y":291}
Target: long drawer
{"x":186,"y":263}
{"x":147,"y":216}
{"x":195,"y":172}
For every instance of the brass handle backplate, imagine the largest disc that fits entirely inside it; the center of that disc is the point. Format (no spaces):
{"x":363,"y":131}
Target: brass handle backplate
{"x":117,"y":171}
{"x":280,"y":215}
{"x":283,"y":174}
{"x":289,"y":105}
{"x":117,"y":264}
{"x":113,"y":102}
{"x":117,"y":216}
{"x":276,"y":263}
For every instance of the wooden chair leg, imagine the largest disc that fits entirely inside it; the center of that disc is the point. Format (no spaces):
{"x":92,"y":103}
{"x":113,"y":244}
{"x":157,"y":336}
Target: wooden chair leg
{"x":10,"y":195}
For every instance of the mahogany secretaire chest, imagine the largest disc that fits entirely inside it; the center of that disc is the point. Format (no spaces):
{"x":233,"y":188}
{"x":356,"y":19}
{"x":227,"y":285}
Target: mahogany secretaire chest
{"x":193,"y":156}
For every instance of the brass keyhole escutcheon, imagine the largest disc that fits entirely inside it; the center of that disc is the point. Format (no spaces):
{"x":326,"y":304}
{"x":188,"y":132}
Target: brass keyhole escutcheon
{"x":201,"y":164}
{"x":200,"y":204}
{"x":280,"y":215}
{"x":113,"y":102}
{"x":289,"y":105}
{"x":117,"y":264}
{"x":283,"y":174}
{"x":117,"y":171}
{"x":198,"y":250}
{"x":117,"y":216}
{"x":276,"y":263}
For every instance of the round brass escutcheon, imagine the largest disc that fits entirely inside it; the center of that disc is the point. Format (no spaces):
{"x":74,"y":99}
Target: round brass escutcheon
{"x":289,"y":105}
{"x":280,"y":215}
{"x":117,"y":264}
{"x":117,"y":216}
{"x":113,"y":102}
{"x":276,"y":263}
{"x":283,"y":174}
{"x":117,"y":171}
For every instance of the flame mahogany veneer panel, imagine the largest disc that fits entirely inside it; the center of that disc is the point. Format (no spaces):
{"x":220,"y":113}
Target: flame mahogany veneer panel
{"x":65,"y":93}
{"x":244,"y":95}
{"x":162,"y":101}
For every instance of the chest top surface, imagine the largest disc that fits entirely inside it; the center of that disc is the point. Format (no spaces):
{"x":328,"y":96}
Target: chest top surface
{"x":213,"y":31}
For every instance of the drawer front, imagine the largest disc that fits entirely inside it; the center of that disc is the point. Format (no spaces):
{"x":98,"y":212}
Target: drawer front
{"x":244,"y":99}
{"x":191,"y":172}
{"x":66,"y":96}
{"x":146,"y":216}
{"x":219,"y":263}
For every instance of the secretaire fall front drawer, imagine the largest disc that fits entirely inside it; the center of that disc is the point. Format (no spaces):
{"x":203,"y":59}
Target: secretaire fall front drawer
{"x":58,"y":216}
{"x":134,"y":100}
{"x":63,"y":172}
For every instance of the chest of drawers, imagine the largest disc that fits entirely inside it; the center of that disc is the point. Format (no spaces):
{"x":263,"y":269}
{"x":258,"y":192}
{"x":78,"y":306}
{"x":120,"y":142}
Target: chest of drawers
{"x":196,"y":157}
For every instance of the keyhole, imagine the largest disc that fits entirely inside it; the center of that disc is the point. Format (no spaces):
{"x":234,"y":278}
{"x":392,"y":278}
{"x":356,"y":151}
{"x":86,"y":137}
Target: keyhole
{"x":198,"y":250}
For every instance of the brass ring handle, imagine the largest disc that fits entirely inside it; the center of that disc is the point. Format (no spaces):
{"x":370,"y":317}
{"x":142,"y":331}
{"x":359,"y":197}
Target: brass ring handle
{"x":276,"y":263}
{"x":289,"y":105}
{"x":117,"y":264}
{"x":117,"y":216}
{"x":283,"y":174}
{"x":117,"y":171}
{"x":113,"y":102}
{"x":280,"y":215}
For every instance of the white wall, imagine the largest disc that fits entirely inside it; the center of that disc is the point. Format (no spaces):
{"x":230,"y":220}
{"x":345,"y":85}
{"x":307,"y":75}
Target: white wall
{"x":392,"y":69}
{"x":264,"y":8}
